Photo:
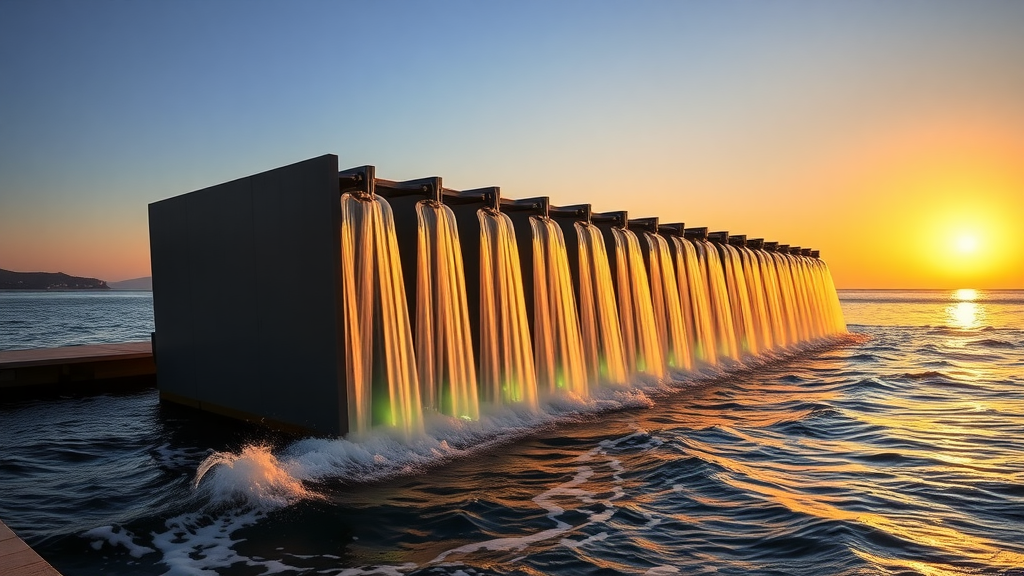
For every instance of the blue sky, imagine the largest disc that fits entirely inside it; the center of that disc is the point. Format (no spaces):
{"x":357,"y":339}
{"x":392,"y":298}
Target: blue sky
{"x":715,"y":113}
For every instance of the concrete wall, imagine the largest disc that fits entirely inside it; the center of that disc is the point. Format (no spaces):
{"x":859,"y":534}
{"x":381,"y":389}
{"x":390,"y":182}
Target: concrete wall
{"x":246,"y":297}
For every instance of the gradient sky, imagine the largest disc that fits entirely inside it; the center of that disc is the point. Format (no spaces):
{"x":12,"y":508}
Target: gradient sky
{"x":889,"y":135}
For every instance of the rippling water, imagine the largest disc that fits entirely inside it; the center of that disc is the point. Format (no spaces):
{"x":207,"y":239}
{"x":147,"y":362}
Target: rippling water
{"x":38,"y":319}
{"x":897,"y":450}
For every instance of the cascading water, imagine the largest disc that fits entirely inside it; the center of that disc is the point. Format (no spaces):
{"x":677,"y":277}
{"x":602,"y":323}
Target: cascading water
{"x":383,"y":389}
{"x":831,"y":296}
{"x":507,"y":371}
{"x":795,"y":327}
{"x":721,"y":308}
{"x":444,"y":349}
{"x":696,"y":302}
{"x":636,"y":312}
{"x":558,"y":348}
{"x":756,"y":294}
{"x":739,"y":300}
{"x":668,"y":313}
{"x":599,"y":319}
{"x":770,"y":285}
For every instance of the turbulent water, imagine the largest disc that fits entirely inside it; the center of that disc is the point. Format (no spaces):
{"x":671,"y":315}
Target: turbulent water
{"x":896,"y":450}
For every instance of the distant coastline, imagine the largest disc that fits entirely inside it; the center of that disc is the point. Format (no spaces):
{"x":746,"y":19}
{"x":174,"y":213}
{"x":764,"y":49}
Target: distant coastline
{"x":10,"y":280}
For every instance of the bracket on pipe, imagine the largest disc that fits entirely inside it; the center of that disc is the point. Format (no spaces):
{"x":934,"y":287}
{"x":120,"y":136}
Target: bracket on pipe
{"x":574,"y":212}
{"x":738,"y":240}
{"x":644,"y":224}
{"x":358,"y":180}
{"x":720,"y":237}
{"x":755,"y":243}
{"x":698,"y":233}
{"x":537,"y":205}
{"x":673,"y":229}
{"x":617,"y":218}
{"x":489,"y":196}
{"x":429,"y":187}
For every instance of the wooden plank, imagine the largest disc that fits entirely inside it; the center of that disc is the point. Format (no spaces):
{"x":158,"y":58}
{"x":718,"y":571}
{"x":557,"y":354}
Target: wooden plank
{"x":22,"y":371}
{"x":18,"y":559}
{"x":74,"y":354}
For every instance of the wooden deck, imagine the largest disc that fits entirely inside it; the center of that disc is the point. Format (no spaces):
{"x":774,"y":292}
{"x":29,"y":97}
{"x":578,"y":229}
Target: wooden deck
{"x":75,"y":367}
{"x":17,"y":559}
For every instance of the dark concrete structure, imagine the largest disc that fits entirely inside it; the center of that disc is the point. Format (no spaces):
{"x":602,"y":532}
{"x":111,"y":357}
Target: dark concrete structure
{"x":247,"y":283}
{"x":247,"y":297}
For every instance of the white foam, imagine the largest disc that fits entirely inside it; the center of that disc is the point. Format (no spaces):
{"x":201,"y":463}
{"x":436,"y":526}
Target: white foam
{"x":116,"y":537}
{"x":199,"y":544}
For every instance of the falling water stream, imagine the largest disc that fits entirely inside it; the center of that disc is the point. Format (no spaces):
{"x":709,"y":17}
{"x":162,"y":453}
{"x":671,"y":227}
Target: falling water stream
{"x":383,"y":388}
{"x":444,"y":349}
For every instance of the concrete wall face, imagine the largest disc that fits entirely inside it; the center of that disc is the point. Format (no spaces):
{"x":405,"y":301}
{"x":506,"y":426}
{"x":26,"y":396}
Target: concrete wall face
{"x":246,"y":297}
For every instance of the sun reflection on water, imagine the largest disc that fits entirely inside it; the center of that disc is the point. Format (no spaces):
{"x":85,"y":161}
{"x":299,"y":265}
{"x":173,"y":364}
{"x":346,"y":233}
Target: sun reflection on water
{"x":965,"y":312}
{"x":965,"y":294}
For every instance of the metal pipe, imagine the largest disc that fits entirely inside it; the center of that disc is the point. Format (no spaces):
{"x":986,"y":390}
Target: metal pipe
{"x":572,"y":213}
{"x":673,"y":229}
{"x":699,"y":233}
{"x":488,"y":197}
{"x":649,"y":224}
{"x":720,"y":237}
{"x":738,"y":240}
{"x":618,"y":218}
{"x":358,"y":180}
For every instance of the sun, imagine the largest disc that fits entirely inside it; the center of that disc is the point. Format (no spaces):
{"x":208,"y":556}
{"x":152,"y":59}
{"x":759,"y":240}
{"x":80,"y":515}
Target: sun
{"x":966,"y":244}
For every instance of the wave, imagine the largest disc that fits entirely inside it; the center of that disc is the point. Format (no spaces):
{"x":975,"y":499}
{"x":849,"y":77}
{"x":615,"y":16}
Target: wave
{"x":993,"y":343}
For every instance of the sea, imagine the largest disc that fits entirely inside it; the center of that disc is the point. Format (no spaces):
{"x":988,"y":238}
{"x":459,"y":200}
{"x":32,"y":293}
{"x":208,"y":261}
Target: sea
{"x":896,"y":449}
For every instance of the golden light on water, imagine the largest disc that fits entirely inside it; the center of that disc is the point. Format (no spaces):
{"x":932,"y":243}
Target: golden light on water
{"x":965,"y":312}
{"x":965,"y":294}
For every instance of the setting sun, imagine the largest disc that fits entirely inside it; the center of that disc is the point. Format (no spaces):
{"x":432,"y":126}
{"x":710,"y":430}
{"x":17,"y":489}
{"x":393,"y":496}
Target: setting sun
{"x":966,"y":244}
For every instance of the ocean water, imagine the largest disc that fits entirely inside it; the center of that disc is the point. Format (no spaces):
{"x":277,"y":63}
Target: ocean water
{"x":895,"y":450}
{"x":37,"y":319}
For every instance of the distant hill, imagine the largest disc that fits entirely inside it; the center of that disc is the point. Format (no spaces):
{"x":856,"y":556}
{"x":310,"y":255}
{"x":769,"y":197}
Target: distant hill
{"x":47,"y":281}
{"x":144,"y":283}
